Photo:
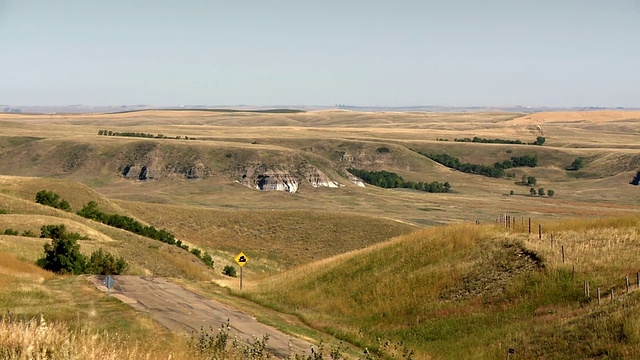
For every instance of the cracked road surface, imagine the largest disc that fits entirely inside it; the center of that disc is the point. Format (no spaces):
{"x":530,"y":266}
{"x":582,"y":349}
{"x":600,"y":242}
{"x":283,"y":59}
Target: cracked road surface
{"x":183,"y":311}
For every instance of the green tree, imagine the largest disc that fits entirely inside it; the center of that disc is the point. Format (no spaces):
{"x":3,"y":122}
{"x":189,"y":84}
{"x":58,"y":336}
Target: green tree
{"x":539,"y":141}
{"x":62,"y":255}
{"x":541,"y":192}
{"x":206,"y":258}
{"x":11,"y":232}
{"x":577,"y":164}
{"x":550,"y":193}
{"x":531,"y":180}
{"x":532,"y":191}
{"x":52,"y":199}
{"x":229,"y":270}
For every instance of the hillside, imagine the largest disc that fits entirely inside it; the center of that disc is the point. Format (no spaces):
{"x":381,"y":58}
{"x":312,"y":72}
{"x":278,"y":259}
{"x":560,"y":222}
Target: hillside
{"x":331,"y":256}
{"x":466,"y":291}
{"x":222,"y":158}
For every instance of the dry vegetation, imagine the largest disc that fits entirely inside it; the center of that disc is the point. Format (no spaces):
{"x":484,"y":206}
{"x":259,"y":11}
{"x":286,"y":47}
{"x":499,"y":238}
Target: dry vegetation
{"x":324,"y":256}
{"x":471,"y":291}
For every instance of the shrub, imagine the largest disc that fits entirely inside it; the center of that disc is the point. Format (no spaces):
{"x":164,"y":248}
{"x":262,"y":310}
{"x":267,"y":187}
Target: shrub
{"x":103,"y":263}
{"x":531,"y":180}
{"x":2,"y":211}
{"x":28,"y":233}
{"x":577,"y":164}
{"x":10,"y":232}
{"x":541,"y":191}
{"x":196,"y":252}
{"x":383,"y":150}
{"x":49,"y":198}
{"x":229,"y":270}
{"x":532,"y":191}
{"x":539,"y":141}
{"x":207,"y":260}
{"x":550,"y":193}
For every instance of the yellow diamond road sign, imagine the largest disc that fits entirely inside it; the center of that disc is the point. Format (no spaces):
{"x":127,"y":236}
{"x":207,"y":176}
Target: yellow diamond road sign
{"x":241,"y":259}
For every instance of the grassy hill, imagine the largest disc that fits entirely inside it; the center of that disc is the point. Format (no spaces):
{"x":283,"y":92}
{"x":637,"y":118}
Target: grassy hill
{"x":466,"y":291}
{"x":363,"y":264}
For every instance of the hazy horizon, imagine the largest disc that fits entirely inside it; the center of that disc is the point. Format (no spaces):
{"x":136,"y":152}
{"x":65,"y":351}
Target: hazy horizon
{"x":378,"y":53}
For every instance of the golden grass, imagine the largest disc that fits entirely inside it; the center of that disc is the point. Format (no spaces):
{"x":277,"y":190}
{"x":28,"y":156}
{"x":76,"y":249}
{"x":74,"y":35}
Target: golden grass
{"x":14,"y":271}
{"x":399,"y":289}
{"x":40,"y":340}
{"x":600,"y":247}
{"x":572,"y":116}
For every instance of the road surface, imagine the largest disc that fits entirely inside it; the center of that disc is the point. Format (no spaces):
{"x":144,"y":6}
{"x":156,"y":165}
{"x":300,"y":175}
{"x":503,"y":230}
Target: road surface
{"x":183,"y":311}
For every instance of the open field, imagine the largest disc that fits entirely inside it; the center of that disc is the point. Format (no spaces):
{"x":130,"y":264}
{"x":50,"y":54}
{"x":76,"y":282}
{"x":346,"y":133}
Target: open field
{"x":346,"y":262}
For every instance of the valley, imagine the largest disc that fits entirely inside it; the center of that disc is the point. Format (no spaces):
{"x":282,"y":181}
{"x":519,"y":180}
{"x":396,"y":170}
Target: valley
{"x":334,"y":258}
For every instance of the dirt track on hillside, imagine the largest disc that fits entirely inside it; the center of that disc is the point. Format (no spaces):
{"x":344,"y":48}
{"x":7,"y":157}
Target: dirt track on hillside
{"x":183,"y":311}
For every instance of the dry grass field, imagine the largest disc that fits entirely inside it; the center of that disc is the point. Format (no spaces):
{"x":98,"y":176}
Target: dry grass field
{"x":357,"y":263}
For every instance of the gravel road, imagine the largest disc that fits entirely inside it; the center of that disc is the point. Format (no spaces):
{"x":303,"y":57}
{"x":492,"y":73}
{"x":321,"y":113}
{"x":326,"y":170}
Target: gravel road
{"x":183,"y":311}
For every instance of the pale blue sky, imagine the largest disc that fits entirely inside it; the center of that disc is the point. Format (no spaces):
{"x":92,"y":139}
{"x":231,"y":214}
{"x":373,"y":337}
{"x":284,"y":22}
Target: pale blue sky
{"x":274,"y":52}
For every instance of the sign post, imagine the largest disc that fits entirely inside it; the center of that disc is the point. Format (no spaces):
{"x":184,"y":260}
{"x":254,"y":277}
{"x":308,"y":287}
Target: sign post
{"x":109,"y":282}
{"x":241,"y":259}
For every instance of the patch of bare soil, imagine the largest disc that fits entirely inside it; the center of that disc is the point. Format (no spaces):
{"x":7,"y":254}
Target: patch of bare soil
{"x":493,"y":272}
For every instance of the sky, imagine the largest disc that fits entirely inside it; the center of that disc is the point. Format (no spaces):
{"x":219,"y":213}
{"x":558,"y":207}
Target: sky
{"x":557,"y":53}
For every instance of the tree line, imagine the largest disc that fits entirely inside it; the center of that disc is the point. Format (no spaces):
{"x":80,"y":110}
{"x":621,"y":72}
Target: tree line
{"x":539,"y":141}
{"x":91,"y":211}
{"x":495,"y":171}
{"x":391,"y":180}
{"x":141,"y":135}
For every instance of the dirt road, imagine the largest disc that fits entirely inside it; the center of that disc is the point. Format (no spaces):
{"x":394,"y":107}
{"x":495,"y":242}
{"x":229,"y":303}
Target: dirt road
{"x":181,"y":311}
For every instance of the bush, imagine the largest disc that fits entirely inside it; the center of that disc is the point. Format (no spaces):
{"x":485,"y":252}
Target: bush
{"x":229,"y":270}
{"x":539,"y":141}
{"x":531,"y":180}
{"x":207,"y":260}
{"x":550,"y":193}
{"x":28,"y":233}
{"x":10,"y":232}
{"x":577,"y":164}
{"x":532,"y":191}
{"x":52,"y":199}
{"x":2,"y":211}
{"x":383,"y":150}
{"x":103,"y":263}
{"x":541,"y":192}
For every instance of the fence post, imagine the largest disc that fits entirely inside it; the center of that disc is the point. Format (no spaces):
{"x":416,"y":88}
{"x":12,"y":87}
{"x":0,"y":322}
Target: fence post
{"x":611,"y":294}
{"x":587,"y":289}
{"x":529,"y":225}
{"x":598,"y":293}
{"x":539,"y":231}
{"x":563,"y":254}
{"x":626,"y":280}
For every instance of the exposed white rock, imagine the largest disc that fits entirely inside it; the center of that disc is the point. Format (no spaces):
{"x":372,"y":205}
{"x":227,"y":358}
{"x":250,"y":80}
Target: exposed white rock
{"x":278,"y":182}
{"x":356,"y":180}
{"x":259,"y":177}
{"x":317,"y":178}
